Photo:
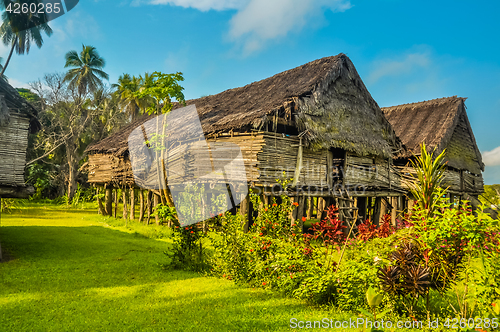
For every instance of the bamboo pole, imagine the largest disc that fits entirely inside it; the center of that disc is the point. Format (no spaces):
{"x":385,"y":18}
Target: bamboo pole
{"x":141,"y":205}
{"x":132,"y":203}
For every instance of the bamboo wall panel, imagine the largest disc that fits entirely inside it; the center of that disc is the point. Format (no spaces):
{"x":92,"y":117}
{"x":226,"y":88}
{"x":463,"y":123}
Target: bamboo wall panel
{"x":13,"y":145}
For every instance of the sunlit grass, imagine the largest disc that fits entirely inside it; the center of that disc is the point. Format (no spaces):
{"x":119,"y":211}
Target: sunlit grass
{"x":74,"y":270}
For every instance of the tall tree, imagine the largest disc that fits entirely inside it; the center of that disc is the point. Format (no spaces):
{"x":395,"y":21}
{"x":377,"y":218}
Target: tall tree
{"x":87,"y":74}
{"x":21,"y":30}
{"x":127,"y":88}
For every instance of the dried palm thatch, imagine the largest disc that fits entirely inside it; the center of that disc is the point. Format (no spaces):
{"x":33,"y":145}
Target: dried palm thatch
{"x":441,"y":124}
{"x":325,"y":97}
{"x":11,"y":101}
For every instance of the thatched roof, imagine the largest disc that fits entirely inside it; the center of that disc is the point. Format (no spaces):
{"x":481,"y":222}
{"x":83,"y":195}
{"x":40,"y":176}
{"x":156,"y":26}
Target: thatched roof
{"x":326,"y":97}
{"x":440,"y":123}
{"x":11,"y":100}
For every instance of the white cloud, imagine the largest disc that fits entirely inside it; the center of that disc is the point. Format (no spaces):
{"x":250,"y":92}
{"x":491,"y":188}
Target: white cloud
{"x":396,"y":67}
{"x":203,"y":5}
{"x":258,"y":21}
{"x":492,"y":158}
{"x":263,"y":20}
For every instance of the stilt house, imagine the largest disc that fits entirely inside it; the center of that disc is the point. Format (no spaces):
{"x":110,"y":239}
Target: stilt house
{"x":318,"y":123}
{"x":441,"y":124}
{"x":17,"y":119}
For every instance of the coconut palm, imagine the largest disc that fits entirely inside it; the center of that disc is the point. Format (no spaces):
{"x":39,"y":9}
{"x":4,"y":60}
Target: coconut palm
{"x":21,"y":30}
{"x":126,"y":89}
{"x":86,"y":74}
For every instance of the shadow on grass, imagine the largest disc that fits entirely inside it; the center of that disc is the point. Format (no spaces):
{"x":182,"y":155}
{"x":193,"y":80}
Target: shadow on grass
{"x":61,"y":258}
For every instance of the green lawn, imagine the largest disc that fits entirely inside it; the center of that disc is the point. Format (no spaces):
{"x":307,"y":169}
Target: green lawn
{"x":70,"y":271}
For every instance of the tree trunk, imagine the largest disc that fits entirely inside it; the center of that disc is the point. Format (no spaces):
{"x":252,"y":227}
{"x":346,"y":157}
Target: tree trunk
{"x":141,"y":205}
{"x":10,"y":56}
{"x":132,"y":203}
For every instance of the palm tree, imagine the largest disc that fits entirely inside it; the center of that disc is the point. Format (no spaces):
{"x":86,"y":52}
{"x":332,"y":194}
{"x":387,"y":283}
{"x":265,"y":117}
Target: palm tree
{"x":87,"y":74}
{"x":126,"y":89}
{"x":21,"y":30}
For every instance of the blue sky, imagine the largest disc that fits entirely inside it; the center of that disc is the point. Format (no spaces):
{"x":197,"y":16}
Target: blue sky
{"x":404,"y":50}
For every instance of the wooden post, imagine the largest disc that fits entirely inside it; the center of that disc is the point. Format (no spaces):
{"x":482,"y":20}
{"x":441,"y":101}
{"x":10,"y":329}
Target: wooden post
{"x":244,"y":211}
{"x":132,"y":203}
{"x":141,"y":205}
{"x":394,"y":203}
{"x":108,"y":200}
{"x":300,"y":211}
{"x":156,"y":202}
{"x":361,"y":205}
{"x":116,"y":202}
{"x":310,"y":205}
{"x":369,"y":208}
{"x":377,"y":211}
{"x":383,"y":208}
{"x":148,"y":205}
{"x":124,"y":199}
{"x":321,"y":207}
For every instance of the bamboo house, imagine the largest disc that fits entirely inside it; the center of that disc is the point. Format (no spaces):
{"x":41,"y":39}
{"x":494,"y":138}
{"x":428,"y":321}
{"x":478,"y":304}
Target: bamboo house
{"x":442,"y":124}
{"x":17,"y":119}
{"x":317,"y":123}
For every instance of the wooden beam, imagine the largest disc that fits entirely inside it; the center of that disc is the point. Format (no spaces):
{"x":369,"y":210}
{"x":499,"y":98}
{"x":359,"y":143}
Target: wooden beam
{"x":156,"y":202}
{"x":124,"y":200}
{"x":377,"y":211}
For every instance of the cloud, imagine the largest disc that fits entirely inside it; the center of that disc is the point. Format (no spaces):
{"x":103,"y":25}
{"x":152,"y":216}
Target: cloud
{"x":259,"y":21}
{"x":203,"y":5}
{"x":492,"y":158}
{"x":263,"y":20}
{"x":395,"y":67}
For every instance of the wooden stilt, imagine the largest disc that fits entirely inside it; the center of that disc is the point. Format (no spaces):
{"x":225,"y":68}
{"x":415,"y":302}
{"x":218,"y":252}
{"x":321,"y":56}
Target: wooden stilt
{"x":141,"y":205}
{"x":244,"y":211}
{"x":394,"y":203}
{"x":117,"y":199}
{"x":310,"y":206}
{"x":149,"y":205}
{"x":124,"y":200}
{"x":156,"y":202}
{"x":132,"y":203}
{"x":377,"y":209}
{"x":108,"y":198}
{"x":321,"y":207}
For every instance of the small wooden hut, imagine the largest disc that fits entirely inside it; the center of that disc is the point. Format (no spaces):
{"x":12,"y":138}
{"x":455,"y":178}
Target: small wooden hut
{"x":442,"y":124}
{"x":17,"y":119}
{"x":316,"y":122}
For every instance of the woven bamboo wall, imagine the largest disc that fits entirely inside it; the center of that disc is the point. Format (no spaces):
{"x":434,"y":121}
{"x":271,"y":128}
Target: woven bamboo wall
{"x":13,"y":145}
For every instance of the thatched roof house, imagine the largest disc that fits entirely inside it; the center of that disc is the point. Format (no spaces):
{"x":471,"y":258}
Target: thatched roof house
{"x":17,"y":119}
{"x":442,"y":124}
{"x":325,"y":100}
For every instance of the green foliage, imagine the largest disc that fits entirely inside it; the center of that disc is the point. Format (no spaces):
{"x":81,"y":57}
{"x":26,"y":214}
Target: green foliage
{"x":161,"y":88}
{"x":491,"y":196}
{"x":87,"y":74}
{"x":187,"y":251}
{"x":430,"y":172}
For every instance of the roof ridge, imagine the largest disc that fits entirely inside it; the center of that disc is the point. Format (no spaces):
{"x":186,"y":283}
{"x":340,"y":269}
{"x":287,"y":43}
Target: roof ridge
{"x":426,"y":101}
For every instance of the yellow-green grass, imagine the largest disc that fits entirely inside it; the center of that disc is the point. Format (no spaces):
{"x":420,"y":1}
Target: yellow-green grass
{"x":70,"y":271}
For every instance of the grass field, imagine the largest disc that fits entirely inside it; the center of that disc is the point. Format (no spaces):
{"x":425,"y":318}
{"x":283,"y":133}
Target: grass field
{"x":70,"y":271}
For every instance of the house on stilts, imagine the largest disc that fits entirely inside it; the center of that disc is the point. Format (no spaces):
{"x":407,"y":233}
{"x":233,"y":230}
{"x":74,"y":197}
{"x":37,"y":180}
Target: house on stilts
{"x":442,"y":124}
{"x":18,"y":118}
{"x":317,"y":123}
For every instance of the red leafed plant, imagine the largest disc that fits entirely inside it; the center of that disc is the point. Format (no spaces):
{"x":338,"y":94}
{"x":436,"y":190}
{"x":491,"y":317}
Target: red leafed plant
{"x":368,"y":230}
{"x":329,"y":230}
